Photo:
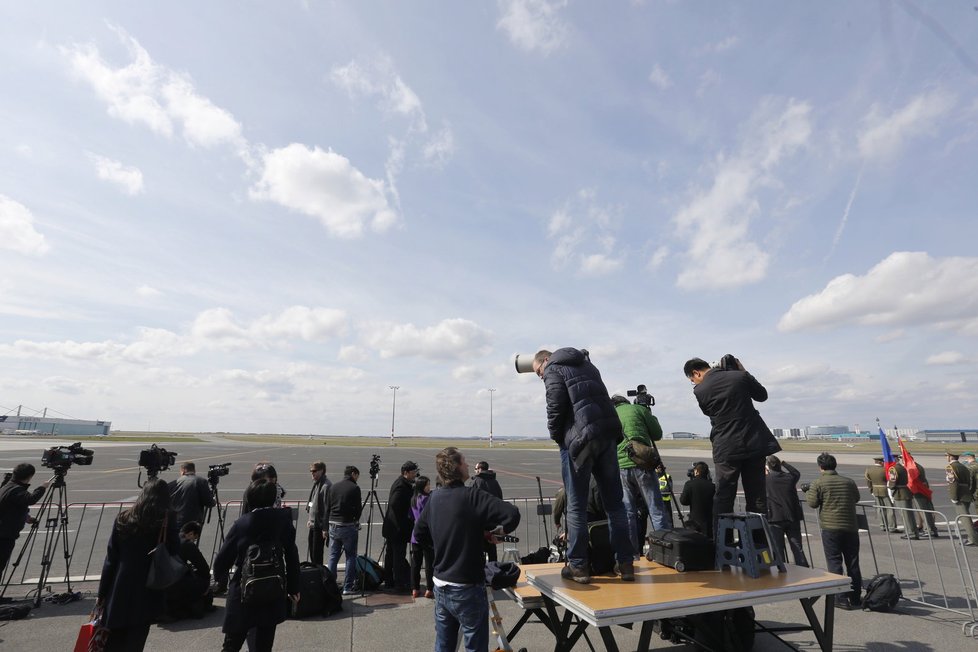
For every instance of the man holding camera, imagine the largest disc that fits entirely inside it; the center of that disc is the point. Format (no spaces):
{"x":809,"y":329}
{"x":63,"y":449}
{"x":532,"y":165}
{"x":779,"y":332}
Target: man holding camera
{"x":698,"y":493}
{"x":190,"y":495}
{"x":315,"y":507}
{"x":741,"y":440}
{"x":397,"y":529}
{"x":341,"y":511}
{"x":582,"y":420}
{"x":15,"y":503}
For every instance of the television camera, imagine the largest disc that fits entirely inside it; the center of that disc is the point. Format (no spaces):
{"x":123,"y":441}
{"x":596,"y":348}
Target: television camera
{"x":60,"y":458}
{"x":642,"y":396}
{"x":217,"y":471}
{"x":374,"y":466}
{"x":155,"y":459}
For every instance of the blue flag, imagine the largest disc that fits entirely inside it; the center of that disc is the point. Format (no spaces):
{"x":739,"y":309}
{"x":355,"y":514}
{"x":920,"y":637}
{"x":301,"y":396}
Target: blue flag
{"x":888,"y":459}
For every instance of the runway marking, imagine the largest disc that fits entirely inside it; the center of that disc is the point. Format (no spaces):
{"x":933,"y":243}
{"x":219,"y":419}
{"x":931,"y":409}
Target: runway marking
{"x":201,"y":459}
{"x":529,"y":477}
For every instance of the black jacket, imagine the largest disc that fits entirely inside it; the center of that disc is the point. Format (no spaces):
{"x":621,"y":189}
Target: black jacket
{"x":189,"y":496}
{"x":343,"y":503}
{"x":698,"y":494}
{"x":738,"y":432}
{"x":454,"y":522}
{"x":783,"y":505}
{"x":269,"y":524}
{"x":486,"y":481}
{"x":317,"y":502}
{"x":122,"y":588}
{"x":15,"y":503}
{"x":397,"y":519}
{"x":579,"y":410}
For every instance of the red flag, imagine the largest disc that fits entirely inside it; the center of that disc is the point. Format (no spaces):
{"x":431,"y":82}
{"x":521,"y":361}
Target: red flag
{"x":913,"y":475}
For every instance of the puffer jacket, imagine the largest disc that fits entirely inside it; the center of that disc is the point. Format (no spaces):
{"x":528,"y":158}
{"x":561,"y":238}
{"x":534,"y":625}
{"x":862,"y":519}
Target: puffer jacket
{"x":579,"y":410}
{"x":835,"y":498}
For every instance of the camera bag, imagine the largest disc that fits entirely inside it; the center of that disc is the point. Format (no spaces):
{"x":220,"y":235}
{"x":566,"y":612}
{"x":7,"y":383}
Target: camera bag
{"x":882,"y":593}
{"x":642,"y":455}
{"x":369,"y":574}
{"x":320,"y":594}
{"x":600,"y":554}
{"x":683,"y":549}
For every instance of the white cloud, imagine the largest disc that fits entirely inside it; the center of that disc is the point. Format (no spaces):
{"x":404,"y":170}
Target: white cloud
{"x":716,"y":221}
{"x":906,"y":288}
{"x":440,"y":148}
{"x":946,"y":358}
{"x":659,"y":78}
{"x":891,"y":336}
{"x":583,"y":232}
{"x":884,"y":135}
{"x":127,"y":177}
{"x":378,"y":78}
{"x":300,"y":322}
{"x":659,"y":256}
{"x":468,"y":373}
{"x":325,"y":185}
{"x":708,"y":80}
{"x":147,"y":292}
{"x":534,"y":24}
{"x":353,"y":354}
{"x":723,"y":45}
{"x":17,"y":231}
{"x":449,"y":338}
{"x":600,"y":265}
{"x":144,"y":92}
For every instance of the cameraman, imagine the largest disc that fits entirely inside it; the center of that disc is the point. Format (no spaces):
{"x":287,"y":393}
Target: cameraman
{"x":190,"y":495}
{"x":15,"y":505}
{"x":741,"y":440}
{"x":698,"y":493}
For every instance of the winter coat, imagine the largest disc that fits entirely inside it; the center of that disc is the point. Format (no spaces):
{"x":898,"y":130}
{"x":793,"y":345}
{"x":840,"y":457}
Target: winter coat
{"x":122,"y":588}
{"x":15,"y":503}
{"x":417,"y":506}
{"x":738,"y":432}
{"x":486,"y":481}
{"x":397,"y":519}
{"x":638,"y":423}
{"x":835,"y":498}
{"x":189,"y":496}
{"x":579,"y":410}
{"x":267,"y":524}
{"x":783,"y":505}
{"x":316,"y":506}
{"x":698,"y":494}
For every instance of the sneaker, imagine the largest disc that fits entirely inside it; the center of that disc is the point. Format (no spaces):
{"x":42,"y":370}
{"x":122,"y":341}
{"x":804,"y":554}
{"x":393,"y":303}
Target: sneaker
{"x":626,"y":570}
{"x":430,"y":595}
{"x":578,"y":575}
{"x":349,"y":592}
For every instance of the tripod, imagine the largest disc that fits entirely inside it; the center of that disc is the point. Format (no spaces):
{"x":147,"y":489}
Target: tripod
{"x":219,"y":539}
{"x":371,"y":500}
{"x":55,"y":528}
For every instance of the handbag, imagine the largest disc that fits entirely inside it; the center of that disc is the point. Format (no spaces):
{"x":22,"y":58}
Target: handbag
{"x":642,"y":455}
{"x":165,"y":569}
{"x":92,"y":636}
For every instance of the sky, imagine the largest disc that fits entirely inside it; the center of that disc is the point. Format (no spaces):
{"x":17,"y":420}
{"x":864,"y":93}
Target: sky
{"x":260,"y":216}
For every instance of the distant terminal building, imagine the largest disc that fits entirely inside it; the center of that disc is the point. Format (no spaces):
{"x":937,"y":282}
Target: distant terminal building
{"x":788,"y":433}
{"x":684,"y":435}
{"x":951,"y":436}
{"x":11,"y":424}
{"x":826,"y":431}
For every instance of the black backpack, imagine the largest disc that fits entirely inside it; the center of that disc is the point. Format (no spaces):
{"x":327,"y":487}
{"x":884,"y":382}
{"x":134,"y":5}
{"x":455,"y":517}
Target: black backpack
{"x":263,"y":574}
{"x":882,"y":593}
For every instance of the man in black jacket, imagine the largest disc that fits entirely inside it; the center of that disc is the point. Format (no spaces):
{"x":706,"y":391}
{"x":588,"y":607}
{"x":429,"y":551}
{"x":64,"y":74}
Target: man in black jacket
{"x":315,"y":507}
{"x":397,"y":529}
{"x":582,"y":420}
{"x":485,"y":479}
{"x":741,"y":440}
{"x":190,"y":495}
{"x":455,"y":522}
{"x":698,"y":493}
{"x":342,"y":513}
{"x":783,"y":507}
{"x":15,"y":504}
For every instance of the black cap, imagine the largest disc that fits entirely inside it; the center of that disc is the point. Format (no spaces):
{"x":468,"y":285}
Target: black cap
{"x":409,"y":466}
{"x":878,"y":459}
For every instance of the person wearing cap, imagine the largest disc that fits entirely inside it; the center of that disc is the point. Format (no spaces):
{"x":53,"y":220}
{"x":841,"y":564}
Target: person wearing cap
{"x":485,"y":479}
{"x":397,"y":529}
{"x":316,"y":508}
{"x":902,"y":498}
{"x":876,"y":483}
{"x":925,"y":506}
{"x":959,"y":485}
{"x":968,"y":459}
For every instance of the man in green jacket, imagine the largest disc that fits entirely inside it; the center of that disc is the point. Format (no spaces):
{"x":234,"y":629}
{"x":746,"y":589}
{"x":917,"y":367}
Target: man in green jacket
{"x":835,"y":498}
{"x":639,"y":486}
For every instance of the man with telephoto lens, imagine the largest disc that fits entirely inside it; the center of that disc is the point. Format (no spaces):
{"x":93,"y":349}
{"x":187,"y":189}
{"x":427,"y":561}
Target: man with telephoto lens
{"x":741,"y":440}
{"x":190,"y":495}
{"x":582,"y":420}
{"x":456,"y":522}
{"x":15,"y":503}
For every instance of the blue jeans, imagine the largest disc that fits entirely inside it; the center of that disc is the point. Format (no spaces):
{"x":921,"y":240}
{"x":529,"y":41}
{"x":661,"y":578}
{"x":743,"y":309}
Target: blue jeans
{"x":343,"y":538}
{"x":465,"y":607}
{"x":603,"y":465}
{"x":639,"y":487}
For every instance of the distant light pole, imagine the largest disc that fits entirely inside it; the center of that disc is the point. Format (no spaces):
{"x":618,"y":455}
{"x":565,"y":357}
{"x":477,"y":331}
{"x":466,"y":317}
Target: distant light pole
{"x":393,"y":407}
{"x":492,"y":390}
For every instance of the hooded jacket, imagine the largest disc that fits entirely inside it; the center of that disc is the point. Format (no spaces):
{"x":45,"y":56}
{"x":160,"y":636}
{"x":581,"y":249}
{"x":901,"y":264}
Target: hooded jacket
{"x":486,"y":481}
{"x":638,"y":423}
{"x":579,"y":410}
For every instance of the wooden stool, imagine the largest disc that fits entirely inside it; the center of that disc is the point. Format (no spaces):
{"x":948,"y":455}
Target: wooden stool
{"x":753,"y":550}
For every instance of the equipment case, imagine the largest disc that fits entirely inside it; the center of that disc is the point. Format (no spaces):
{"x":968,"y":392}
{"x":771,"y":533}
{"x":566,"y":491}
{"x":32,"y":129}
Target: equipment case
{"x":683,"y":549}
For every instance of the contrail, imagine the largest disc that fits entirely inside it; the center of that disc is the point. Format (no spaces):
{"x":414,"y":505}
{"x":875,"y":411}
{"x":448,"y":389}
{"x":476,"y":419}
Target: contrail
{"x":845,"y":214}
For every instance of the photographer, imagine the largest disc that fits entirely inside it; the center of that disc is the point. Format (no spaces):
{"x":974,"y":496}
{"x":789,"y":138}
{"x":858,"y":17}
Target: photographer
{"x":397,"y":529}
{"x":316,"y":508}
{"x":15,"y":502}
{"x":783,"y":507}
{"x":190,"y":495}
{"x":342,"y":510}
{"x":698,"y":493}
{"x":741,"y":440}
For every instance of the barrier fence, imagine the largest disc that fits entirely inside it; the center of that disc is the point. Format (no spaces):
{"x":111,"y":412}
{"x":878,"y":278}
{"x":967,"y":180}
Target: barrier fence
{"x":936,"y":573}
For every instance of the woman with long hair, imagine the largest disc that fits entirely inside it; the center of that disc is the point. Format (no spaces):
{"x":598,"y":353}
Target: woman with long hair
{"x":129,"y":607}
{"x":419,"y":553}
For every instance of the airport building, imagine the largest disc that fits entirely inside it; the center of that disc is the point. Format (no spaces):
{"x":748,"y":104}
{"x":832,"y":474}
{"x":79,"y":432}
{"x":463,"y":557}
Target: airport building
{"x":12,"y":424}
{"x":952,"y":436}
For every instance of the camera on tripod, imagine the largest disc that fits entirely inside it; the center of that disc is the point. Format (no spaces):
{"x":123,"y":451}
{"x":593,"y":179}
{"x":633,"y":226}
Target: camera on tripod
{"x":642,"y":396}
{"x":60,"y":458}
{"x":217,"y":471}
{"x":155,"y":459}
{"x":374,"y":466}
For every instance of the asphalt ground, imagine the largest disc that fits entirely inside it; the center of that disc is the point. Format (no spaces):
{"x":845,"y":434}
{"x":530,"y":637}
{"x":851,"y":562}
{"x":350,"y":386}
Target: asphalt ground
{"x":377,"y":626}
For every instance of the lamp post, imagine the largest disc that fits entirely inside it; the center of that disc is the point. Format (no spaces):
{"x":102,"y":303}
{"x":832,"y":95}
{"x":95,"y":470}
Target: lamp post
{"x":393,"y":407}
{"x":492,"y":390}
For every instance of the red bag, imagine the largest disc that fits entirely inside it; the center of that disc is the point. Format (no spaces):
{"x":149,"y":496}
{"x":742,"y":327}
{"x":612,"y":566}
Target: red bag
{"x":92,"y":636}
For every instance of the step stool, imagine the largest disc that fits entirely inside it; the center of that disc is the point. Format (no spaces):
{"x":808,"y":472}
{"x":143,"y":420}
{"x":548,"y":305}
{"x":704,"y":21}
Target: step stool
{"x":510,"y":553}
{"x":754,"y":548}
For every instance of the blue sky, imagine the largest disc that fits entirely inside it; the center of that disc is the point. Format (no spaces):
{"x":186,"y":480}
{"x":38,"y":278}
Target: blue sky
{"x":260,"y":215}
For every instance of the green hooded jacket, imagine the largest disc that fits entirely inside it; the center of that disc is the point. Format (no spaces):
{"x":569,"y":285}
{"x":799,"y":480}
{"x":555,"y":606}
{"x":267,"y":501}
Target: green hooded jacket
{"x":638,"y":423}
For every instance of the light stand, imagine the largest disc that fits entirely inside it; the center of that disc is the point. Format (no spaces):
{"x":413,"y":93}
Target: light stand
{"x":393,"y":407}
{"x":491,"y":390}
